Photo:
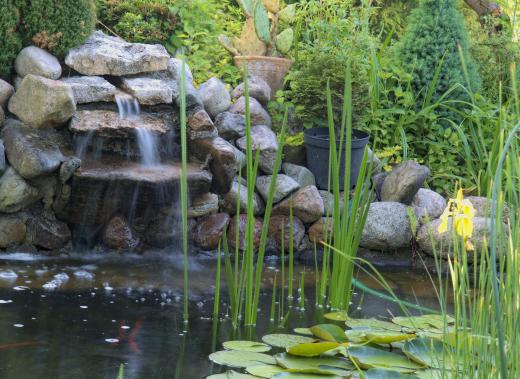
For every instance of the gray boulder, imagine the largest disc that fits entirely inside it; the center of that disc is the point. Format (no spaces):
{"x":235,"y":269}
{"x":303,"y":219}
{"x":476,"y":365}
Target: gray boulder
{"x":387,"y":227}
{"x":90,"y":89}
{"x":258,"y":89}
{"x":259,"y":115}
{"x":200,"y":125}
{"x":192,"y":95}
{"x":107,"y":55}
{"x":29,"y":152}
{"x":148,"y":91}
{"x":301,"y":174}
{"x":328,"y":202}
{"x":36,"y":61}
{"x":403,"y":182}
{"x":482,"y":207}
{"x":306,"y":204}
{"x":48,"y":234}
{"x":264,"y":140}
{"x":2,"y":116}
{"x":285,"y":185}
{"x":280,"y":227}
{"x":428,"y":205}
{"x":68,"y":168}
{"x":15,"y":193}
{"x":214,"y":96}
{"x":118,"y":235}
{"x":6,"y":91}
{"x":230,"y":126}
{"x":203,"y":205}
{"x":12,"y":231}
{"x":238,"y":192}
{"x":42,"y":102}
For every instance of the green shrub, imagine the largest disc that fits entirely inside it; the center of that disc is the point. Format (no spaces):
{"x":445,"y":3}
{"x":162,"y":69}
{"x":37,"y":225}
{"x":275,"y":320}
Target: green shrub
{"x":11,"y":41}
{"x":58,"y":25}
{"x":435,"y":30}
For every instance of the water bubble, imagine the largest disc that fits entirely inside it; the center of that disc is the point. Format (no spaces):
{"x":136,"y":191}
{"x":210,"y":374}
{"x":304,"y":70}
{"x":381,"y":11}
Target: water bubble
{"x":6,"y":301}
{"x":83,"y":306}
{"x":21,"y":288}
{"x":125,"y":327}
{"x":111,"y":340}
{"x":8,"y":275}
{"x":41,"y":272}
{"x":18,"y":325}
{"x":83,"y":274}
{"x":62,"y":277}
{"x":52,"y":285}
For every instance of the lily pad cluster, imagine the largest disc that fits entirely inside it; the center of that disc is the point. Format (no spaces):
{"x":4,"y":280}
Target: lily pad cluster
{"x":405,"y":347}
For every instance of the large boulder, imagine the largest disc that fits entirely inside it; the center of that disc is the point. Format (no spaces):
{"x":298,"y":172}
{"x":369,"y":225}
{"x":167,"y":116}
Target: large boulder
{"x":148,"y":91}
{"x":29,"y":152}
{"x":433,"y":243}
{"x":118,"y":235}
{"x":222,"y":161}
{"x":12,"y":231}
{"x":230,"y":126}
{"x":258,"y":89}
{"x":321,"y":230}
{"x":214,"y":96}
{"x":47,"y":233}
{"x":285,"y":185}
{"x":428,"y":205}
{"x":328,"y":202}
{"x":200,"y":125}
{"x":192,"y":95}
{"x":306,"y":203}
{"x":15,"y":193}
{"x":203,"y":205}
{"x":42,"y":102}
{"x":280,"y":227}
{"x":482,"y":207}
{"x":209,"y":230}
{"x":301,"y":174}
{"x":264,"y":140}
{"x":238,"y":226}
{"x":403,"y":182}
{"x":90,"y":89}
{"x":259,"y":115}
{"x":387,"y":227}
{"x":6,"y":91}
{"x":36,"y":61}
{"x":107,"y":55}
{"x":238,"y":192}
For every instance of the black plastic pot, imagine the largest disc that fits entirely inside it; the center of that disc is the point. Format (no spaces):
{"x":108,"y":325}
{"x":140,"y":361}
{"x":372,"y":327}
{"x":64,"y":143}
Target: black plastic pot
{"x":317,"y":148}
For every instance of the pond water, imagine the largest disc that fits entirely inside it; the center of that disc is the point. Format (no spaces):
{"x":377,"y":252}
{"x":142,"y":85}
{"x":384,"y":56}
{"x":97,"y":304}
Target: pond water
{"x":81,"y":317}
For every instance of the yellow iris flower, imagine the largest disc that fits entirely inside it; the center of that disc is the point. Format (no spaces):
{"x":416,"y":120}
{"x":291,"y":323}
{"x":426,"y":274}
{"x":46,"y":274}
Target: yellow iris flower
{"x":462,"y":212}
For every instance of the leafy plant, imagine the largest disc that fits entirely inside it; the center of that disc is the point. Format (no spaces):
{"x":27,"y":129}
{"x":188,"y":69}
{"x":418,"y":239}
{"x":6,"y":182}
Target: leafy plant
{"x":9,"y":35}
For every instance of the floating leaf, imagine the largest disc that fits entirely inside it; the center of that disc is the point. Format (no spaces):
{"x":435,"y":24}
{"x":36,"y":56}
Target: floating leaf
{"x":434,"y":374}
{"x":386,"y":336}
{"x":265,"y":371}
{"x":371,"y":323}
{"x":381,"y":373}
{"x":323,"y":365}
{"x":312,"y":349}
{"x":295,"y":375}
{"x":262,"y":25}
{"x":257,"y":347}
{"x":230,"y":375}
{"x":285,"y":341}
{"x":337,"y":316}
{"x":304,"y":331}
{"x":239,"y":359}
{"x":329,"y":332}
{"x":426,"y":351}
{"x":368,"y":357}
{"x":424,"y":322}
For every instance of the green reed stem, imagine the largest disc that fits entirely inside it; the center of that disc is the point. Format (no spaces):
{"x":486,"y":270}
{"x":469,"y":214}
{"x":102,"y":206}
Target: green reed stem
{"x":184,"y":185}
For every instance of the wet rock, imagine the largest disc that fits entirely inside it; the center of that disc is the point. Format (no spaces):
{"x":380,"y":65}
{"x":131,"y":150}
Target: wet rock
{"x":403,"y":182}
{"x":107,"y":55}
{"x":203,"y":205}
{"x":29,"y":152}
{"x":306,"y":204}
{"x":12,"y":231}
{"x":47,"y":233}
{"x":387,"y":227}
{"x":3,"y":164}
{"x":214,"y":96}
{"x":6,"y":91}
{"x":148,"y":91}
{"x":36,"y":61}
{"x":241,"y":221}
{"x":209,"y":230}
{"x":200,"y":125}
{"x":483,"y":207}
{"x":15,"y":193}
{"x":228,"y":202}
{"x":321,"y":230}
{"x":222,"y":161}
{"x":165,"y":231}
{"x":68,"y":168}
{"x":377,"y":181}
{"x":259,"y":115}
{"x":295,"y":154}
{"x":42,"y":102}
{"x":432,"y":242}
{"x":285,"y":185}
{"x":230,"y":126}
{"x":241,"y":158}
{"x":118,"y":235}
{"x":90,"y":89}
{"x":192,"y":95}
{"x":428,"y":205}
{"x":46,"y":186}
{"x":264,"y":140}
{"x":280,"y":227}
{"x":258,"y":89}
{"x":300,"y":174}
{"x":328,"y":202}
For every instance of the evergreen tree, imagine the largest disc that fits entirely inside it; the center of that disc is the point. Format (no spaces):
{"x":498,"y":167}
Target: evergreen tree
{"x":435,"y":30}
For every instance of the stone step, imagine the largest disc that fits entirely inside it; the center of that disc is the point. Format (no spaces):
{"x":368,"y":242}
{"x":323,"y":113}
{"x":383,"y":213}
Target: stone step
{"x":101,"y":189}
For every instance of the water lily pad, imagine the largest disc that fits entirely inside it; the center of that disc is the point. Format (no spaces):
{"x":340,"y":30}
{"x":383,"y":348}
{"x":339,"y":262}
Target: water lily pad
{"x":240,"y":359}
{"x":296,"y":375}
{"x":257,"y":347}
{"x":322,"y":365}
{"x":312,"y":349}
{"x":337,"y":316}
{"x":285,"y":341}
{"x":381,"y":373}
{"x":304,"y":331}
{"x":230,"y":375}
{"x":433,"y":374}
{"x":386,"y":336}
{"x":329,"y":332}
{"x":427,"y":351}
{"x":371,"y":323}
{"x":424,"y":322}
{"x":368,"y":357}
{"x":265,"y":371}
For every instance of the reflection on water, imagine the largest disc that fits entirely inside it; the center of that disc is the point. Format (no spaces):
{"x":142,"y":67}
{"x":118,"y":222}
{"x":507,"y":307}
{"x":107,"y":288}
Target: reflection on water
{"x":103,"y":312}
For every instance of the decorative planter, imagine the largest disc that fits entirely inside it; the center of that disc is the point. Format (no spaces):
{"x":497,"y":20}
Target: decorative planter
{"x":317,"y":148}
{"x":272,"y":69}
